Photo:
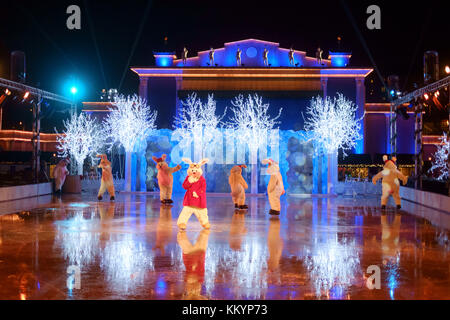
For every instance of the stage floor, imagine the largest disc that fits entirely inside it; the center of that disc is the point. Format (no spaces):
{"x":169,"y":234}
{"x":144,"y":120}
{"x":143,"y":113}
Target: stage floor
{"x":318,"y":248}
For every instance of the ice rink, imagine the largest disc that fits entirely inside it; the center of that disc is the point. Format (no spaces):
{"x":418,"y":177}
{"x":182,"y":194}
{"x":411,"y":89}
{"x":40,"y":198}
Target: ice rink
{"x":76,"y":247}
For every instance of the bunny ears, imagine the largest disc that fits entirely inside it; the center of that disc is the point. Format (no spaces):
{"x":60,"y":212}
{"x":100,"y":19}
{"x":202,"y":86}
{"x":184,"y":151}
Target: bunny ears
{"x":163,"y":157}
{"x":268,"y":161}
{"x":393,"y":159}
{"x":102,"y":156}
{"x":202,"y":162}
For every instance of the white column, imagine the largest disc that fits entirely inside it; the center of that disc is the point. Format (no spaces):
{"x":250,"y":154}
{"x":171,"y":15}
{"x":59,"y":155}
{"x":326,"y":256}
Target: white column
{"x":324,"y":86}
{"x":128,"y":171}
{"x":143,"y":87}
{"x":332,"y":172}
{"x":360,"y":98}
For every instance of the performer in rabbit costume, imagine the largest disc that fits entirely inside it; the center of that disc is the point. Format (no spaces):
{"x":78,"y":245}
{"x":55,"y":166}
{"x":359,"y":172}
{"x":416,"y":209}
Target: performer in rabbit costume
{"x":390,"y":176}
{"x":165,"y":178}
{"x":275,"y":188}
{"x":107,"y":178}
{"x":195,"y":198}
{"x":59,"y":173}
{"x":238,"y":186}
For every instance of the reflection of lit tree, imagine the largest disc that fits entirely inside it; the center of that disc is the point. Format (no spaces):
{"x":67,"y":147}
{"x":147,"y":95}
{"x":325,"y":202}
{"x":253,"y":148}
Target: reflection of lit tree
{"x":198,"y":124}
{"x":251,"y":124}
{"x":333,"y":126}
{"x":77,"y":240}
{"x":246,"y":268}
{"x":82,"y":138}
{"x":126,"y":262}
{"x":129,"y":122}
{"x":441,"y":160}
{"x":332,"y":264}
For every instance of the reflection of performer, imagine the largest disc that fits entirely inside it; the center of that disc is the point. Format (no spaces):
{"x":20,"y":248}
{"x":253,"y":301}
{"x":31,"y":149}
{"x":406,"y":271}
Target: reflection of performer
{"x":291,"y":57}
{"x":390,"y":234}
{"x":184,"y":55}
{"x":265,"y":58}
{"x":319,"y":55}
{"x":164,"y":228}
{"x":238,"y":57}
{"x":194,"y":262}
{"x":274,"y":243}
{"x":237,"y":230}
{"x":211,"y":57}
{"x":59,"y":173}
{"x":106,"y":215}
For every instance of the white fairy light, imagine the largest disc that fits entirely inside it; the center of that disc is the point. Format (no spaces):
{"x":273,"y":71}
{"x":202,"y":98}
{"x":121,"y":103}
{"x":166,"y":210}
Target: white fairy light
{"x":129,"y":123}
{"x":81,"y":138}
{"x":331,"y":263}
{"x":130,"y":120}
{"x":251,"y":122}
{"x":251,"y":125}
{"x":332,"y":124}
{"x":441,"y":160}
{"x":198,"y":123}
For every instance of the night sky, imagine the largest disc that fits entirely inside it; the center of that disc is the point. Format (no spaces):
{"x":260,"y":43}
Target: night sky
{"x":55,"y":54}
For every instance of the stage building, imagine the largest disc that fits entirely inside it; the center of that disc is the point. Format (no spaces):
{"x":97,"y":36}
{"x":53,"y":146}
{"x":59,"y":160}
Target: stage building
{"x":283,"y":82}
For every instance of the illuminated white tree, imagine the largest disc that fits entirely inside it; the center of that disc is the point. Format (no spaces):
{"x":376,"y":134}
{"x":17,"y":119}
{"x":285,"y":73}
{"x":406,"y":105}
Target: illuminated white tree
{"x":130,"y":122}
{"x":332,"y":124}
{"x":198,"y":123}
{"x":83,"y":137}
{"x":441,"y":159}
{"x":251,"y":123}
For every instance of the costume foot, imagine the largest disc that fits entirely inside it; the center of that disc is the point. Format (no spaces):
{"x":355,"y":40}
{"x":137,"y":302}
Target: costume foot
{"x":383,"y":207}
{"x":182,"y":226}
{"x":99,"y":197}
{"x":169,"y":201}
{"x":163,"y":201}
{"x":399,"y":206}
{"x":206,"y":226}
{"x":274,"y":212}
{"x":236,"y":206}
{"x":112,"y":198}
{"x":244,"y":206}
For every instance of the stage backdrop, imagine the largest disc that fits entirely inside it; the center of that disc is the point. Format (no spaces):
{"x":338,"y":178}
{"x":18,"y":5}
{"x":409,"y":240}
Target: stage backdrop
{"x":303,"y":173}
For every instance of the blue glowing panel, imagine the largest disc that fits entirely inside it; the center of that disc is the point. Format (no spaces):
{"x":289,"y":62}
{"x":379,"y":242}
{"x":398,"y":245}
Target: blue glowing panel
{"x":164,"y":59}
{"x":339,"y":59}
{"x":295,"y":158}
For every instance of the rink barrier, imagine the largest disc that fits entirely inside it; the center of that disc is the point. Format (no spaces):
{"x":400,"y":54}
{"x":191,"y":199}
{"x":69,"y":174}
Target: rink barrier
{"x":25,"y":191}
{"x":427,"y":199}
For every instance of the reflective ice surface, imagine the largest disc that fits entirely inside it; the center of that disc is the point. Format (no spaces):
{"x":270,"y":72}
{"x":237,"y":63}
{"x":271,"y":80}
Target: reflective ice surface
{"x":319,"y":248}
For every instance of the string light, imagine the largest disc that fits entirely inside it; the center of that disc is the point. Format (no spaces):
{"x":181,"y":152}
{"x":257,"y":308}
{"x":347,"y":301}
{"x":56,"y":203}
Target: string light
{"x":130,"y":120}
{"x":82,"y":137}
{"x":332,"y":124}
{"x":197,"y":123}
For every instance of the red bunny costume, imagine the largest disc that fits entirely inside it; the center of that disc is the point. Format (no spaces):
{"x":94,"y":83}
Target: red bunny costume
{"x":199,"y":187}
{"x":194,"y":201}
